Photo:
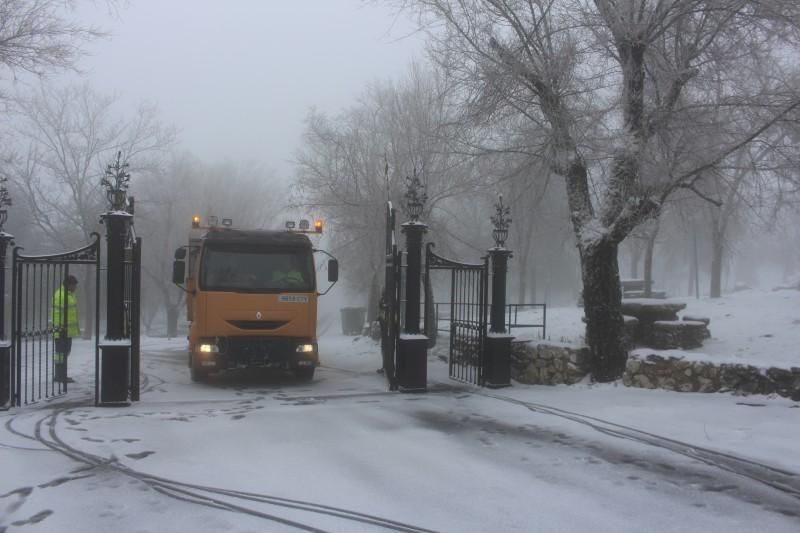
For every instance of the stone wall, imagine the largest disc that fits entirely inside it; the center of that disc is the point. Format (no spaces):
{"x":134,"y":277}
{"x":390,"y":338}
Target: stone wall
{"x":677,"y":374}
{"x":545,"y":364}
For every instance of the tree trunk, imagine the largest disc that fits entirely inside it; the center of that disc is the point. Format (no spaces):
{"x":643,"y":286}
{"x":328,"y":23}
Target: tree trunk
{"x":523,"y":284}
{"x":636,"y":256}
{"x":691,"y":279}
{"x":527,"y":272}
{"x":172,"y":319}
{"x":717,"y":253}
{"x":695,"y":268}
{"x":648,"y":261}
{"x":602,"y":303}
{"x":373,"y":298}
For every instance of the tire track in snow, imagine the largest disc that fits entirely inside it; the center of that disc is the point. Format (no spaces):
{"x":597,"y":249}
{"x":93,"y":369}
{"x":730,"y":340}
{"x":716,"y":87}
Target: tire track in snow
{"x":214,"y":497}
{"x":783,"y":480}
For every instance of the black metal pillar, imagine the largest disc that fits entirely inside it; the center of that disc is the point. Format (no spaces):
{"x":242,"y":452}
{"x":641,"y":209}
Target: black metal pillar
{"x":115,"y":348}
{"x":412,"y":346}
{"x":499,"y":260}
{"x":412,"y":349}
{"x":5,"y":344}
{"x":497,"y":355}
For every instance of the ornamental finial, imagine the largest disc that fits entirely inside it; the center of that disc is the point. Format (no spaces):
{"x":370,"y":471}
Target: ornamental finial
{"x":5,"y":201}
{"x":116,"y":183}
{"x":415,"y":197}
{"x":501,"y":221}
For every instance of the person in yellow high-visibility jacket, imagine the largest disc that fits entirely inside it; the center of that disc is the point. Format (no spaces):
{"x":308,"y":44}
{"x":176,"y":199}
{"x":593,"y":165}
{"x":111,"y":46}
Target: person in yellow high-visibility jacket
{"x":65,"y":326}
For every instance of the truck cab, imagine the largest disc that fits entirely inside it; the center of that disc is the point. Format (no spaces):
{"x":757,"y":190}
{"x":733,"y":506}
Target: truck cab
{"x":251,"y":300}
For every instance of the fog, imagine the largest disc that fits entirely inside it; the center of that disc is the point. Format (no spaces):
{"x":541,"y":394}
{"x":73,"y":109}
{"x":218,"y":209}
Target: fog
{"x":238,"y":78}
{"x":266,"y":110}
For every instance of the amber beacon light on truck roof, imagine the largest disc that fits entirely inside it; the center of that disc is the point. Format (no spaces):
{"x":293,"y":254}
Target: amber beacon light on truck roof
{"x":211,"y":222}
{"x":304,"y":226}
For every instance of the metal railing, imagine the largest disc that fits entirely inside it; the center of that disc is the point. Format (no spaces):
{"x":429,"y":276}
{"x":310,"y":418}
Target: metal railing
{"x":442,"y":310}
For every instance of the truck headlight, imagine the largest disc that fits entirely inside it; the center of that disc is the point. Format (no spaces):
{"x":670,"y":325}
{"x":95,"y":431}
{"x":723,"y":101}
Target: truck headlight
{"x":305,"y":348}
{"x":208,"y":348}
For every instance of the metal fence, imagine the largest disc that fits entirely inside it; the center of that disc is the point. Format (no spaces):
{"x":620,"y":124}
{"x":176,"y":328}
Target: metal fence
{"x":513,"y":320}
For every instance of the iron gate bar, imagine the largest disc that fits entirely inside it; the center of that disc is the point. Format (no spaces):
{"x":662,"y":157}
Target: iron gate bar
{"x":468,"y":314}
{"x":390,"y":311}
{"x":133,"y":287}
{"x":32,"y":330}
{"x":513,"y":316}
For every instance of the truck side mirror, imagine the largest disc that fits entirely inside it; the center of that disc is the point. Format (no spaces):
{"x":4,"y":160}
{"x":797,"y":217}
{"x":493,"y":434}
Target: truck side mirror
{"x":333,"y":270}
{"x":178,"y":272}
{"x":180,"y":253}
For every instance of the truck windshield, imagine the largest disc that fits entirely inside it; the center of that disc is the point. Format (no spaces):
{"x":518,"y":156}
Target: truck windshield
{"x":249,"y":269}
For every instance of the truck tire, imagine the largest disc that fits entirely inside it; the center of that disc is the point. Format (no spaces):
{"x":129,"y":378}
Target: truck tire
{"x":305,"y":374}
{"x":198,"y":375}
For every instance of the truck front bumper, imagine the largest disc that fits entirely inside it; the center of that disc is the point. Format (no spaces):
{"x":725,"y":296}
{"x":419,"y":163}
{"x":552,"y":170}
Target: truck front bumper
{"x":253,"y":352}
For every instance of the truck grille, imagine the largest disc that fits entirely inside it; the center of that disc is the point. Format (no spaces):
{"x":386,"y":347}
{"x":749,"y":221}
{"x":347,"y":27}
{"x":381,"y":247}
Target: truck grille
{"x":254,"y":351}
{"x":257,"y":324}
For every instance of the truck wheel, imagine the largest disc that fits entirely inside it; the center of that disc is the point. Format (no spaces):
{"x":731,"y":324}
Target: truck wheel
{"x":198,"y":374}
{"x":305,"y":374}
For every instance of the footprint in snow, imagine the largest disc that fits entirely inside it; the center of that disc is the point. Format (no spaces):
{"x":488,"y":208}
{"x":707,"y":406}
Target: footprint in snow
{"x":35,"y":519}
{"x":61,"y":480}
{"x":21,"y":495}
{"x":140,"y":455}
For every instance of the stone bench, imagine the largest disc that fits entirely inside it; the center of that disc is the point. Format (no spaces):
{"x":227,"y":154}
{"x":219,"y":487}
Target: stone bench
{"x":650,"y":310}
{"x":634,"y":284}
{"x":658,"y":295}
{"x":704,"y":319}
{"x":657,"y":325}
{"x":670,"y":335}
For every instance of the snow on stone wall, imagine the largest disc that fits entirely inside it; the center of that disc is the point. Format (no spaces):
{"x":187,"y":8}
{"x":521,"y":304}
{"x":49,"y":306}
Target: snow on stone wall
{"x":678,"y":374}
{"x":545,"y":364}
{"x":537,"y":363}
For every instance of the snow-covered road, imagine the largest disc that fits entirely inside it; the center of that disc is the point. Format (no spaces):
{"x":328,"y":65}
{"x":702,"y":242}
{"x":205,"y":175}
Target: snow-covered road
{"x":344,"y":454}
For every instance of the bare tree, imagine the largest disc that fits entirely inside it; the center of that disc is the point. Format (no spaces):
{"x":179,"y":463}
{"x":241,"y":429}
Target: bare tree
{"x":639,"y":68}
{"x":248,"y":193}
{"x":351,"y":164}
{"x":66,"y":138}
{"x":37,"y":36}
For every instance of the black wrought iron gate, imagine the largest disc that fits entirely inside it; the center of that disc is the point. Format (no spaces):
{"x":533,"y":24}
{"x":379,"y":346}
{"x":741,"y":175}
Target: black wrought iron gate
{"x":468,"y":314}
{"x":132,"y":288}
{"x":390,"y":300}
{"x":478,"y":354}
{"x":35,"y":331}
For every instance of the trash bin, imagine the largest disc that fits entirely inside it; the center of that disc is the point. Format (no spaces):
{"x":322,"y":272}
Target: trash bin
{"x":353,"y":320}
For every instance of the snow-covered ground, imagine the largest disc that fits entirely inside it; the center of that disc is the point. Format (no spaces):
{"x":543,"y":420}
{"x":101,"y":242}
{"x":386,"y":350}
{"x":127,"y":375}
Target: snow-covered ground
{"x":342,"y":453}
{"x":752,"y":326}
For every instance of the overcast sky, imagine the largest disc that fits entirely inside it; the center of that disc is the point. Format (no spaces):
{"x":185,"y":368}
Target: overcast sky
{"x":238,"y":77}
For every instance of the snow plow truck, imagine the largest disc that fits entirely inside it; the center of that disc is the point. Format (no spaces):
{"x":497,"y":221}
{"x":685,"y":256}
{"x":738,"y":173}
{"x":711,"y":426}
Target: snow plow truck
{"x":251,"y":297}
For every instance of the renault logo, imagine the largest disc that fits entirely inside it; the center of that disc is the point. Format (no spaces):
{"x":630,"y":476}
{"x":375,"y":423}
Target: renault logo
{"x":258,"y":315}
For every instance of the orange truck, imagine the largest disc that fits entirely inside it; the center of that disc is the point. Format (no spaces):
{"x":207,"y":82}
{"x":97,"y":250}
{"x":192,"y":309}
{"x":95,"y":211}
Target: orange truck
{"x":251,"y":297}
